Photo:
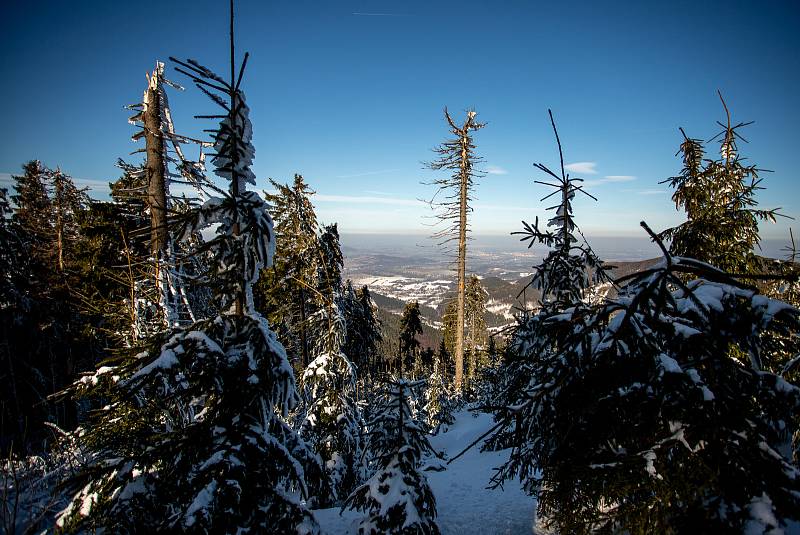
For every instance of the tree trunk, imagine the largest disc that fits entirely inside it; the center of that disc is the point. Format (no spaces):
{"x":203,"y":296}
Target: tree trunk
{"x":303,"y":333}
{"x":156,"y":180}
{"x":157,"y":189}
{"x":59,"y":185}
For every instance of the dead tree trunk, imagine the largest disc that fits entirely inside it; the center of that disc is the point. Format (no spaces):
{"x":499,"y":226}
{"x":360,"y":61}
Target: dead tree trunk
{"x":156,"y":169}
{"x":465,"y":174}
{"x":462,"y":257}
{"x":457,"y":155}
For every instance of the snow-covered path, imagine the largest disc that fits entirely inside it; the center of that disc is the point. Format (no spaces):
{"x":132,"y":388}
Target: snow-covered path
{"x":464,"y":504}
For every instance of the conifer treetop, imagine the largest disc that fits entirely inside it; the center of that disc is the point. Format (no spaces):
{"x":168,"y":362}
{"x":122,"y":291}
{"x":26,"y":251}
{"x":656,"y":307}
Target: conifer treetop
{"x":718,"y":196}
{"x":562,"y":276}
{"x":241,"y":214}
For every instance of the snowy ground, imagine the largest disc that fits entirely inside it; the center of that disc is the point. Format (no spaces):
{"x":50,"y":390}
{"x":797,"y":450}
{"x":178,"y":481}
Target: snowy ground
{"x":463,"y":503}
{"x":427,"y":292}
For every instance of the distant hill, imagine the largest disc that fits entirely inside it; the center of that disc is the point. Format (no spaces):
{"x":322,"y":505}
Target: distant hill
{"x":506,"y":298}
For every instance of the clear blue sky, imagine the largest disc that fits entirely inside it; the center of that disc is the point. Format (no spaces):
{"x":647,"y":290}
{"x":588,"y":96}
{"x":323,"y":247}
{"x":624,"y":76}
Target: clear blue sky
{"x":350,"y":94}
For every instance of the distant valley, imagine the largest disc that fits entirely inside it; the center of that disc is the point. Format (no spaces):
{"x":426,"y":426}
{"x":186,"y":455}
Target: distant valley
{"x":400,"y":269}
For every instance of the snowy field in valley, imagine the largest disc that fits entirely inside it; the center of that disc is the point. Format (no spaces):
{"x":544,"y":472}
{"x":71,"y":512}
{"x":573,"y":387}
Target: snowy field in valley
{"x":464,"y":504}
{"x":427,"y":292}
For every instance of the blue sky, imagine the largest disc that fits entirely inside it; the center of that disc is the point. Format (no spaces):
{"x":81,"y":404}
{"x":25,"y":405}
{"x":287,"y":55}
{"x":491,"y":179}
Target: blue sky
{"x":350,"y":94}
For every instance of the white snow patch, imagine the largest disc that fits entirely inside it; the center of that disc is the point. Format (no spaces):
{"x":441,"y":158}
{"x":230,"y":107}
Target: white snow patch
{"x":463,"y":503}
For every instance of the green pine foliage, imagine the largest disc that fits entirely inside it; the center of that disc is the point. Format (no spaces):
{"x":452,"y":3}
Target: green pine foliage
{"x":563,"y":279}
{"x":331,"y":261}
{"x":363,"y":330}
{"x":286,"y":294}
{"x":410,"y":327}
{"x":655,"y":412}
{"x":332,"y":422}
{"x":44,"y":342}
{"x":718,"y":196}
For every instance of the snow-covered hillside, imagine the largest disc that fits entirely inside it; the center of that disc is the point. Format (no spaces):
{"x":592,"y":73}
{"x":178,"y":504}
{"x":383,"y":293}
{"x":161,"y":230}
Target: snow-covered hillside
{"x":464,"y":504}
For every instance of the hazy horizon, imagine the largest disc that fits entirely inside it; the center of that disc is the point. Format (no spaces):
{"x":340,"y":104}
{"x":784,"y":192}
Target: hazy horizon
{"x":609,"y":248}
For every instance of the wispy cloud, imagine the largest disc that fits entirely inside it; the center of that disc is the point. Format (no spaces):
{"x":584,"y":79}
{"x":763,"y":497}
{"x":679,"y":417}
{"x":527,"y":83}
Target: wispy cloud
{"x":651,"y":192}
{"x":586,"y":168}
{"x":609,"y":179}
{"x":495,"y":170}
{"x":359,"y":199}
{"x":500,"y":207}
{"x":368,"y":173}
{"x":95,"y":185}
{"x":376,"y":192}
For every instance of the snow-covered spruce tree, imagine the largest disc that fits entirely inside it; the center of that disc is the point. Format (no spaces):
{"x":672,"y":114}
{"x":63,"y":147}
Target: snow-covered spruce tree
{"x":490,"y":375}
{"x":397,"y":498}
{"x":331,"y":261}
{"x":224,"y":460}
{"x":563,"y":278}
{"x":333,"y":423}
{"x":655,"y":414}
{"x":719,"y":199}
{"x":438,"y":407}
{"x":564,"y":275}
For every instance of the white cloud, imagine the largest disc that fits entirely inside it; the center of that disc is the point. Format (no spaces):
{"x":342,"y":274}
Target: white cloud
{"x":499,"y":207}
{"x":358,"y":199}
{"x":93,"y":185}
{"x":652,"y":192}
{"x":495,"y":170}
{"x":609,"y":179}
{"x":586,"y":168}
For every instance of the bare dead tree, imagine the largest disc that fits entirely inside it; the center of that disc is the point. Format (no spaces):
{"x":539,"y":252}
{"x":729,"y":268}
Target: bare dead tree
{"x":457,"y":155}
{"x":155,"y":166}
{"x":165,"y":164}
